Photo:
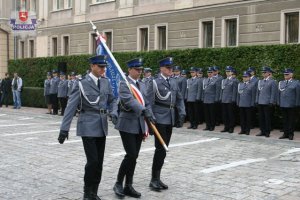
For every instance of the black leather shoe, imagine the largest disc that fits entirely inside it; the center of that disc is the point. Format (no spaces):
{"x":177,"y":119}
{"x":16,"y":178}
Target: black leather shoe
{"x":230,"y":130}
{"x":89,"y":193}
{"x":291,"y":137}
{"x":211,"y":129}
{"x":284,"y":136}
{"x":130,"y":191}
{"x":261,"y":134}
{"x":224,"y":130}
{"x":206,"y":129}
{"x":241,"y":133}
{"x":118,"y":189}
{"x":267,"y":134}
{"x":195,"y":127}
{"x":247,"y":133}
{"x":154,"y":185}
{"x":162,"y":185}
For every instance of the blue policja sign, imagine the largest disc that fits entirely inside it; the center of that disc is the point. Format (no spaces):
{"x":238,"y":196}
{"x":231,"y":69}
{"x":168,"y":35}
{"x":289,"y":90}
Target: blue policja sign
{"x":23,"y":22}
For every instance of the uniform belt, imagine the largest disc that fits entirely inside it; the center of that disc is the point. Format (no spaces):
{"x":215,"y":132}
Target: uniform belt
{"x":128,"y":111}
{"x":171,"y":106}
{"x":100,"y":111}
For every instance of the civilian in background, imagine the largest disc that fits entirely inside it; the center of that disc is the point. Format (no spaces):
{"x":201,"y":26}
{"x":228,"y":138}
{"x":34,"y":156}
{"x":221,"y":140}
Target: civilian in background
{"x":16,"y":85}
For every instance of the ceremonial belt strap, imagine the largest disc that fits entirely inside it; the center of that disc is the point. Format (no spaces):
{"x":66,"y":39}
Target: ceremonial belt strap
{"x":171,"y":106}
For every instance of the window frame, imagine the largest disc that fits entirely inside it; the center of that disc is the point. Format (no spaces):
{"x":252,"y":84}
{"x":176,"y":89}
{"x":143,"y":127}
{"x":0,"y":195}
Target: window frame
{"x":21,"y":49}
{"x":283,"y":25}
{"x":156,"y":35}
{"x":201,"y":31}
{"x":63,"y":44}
{"x":29,"y":48}
{"x":224,"y":30}
{"x":138,"y":37}
{"x":51,"y":45}
{"x":112,"y":37}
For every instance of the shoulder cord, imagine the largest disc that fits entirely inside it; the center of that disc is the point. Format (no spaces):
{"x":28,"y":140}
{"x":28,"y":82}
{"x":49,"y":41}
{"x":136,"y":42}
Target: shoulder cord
{"x":86,"y":98}
{"x":159,"y":96}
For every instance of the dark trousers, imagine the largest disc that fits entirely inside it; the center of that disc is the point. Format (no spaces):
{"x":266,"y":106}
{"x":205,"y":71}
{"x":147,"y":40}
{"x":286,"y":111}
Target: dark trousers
{"x":265,"y":118}
{"x":210,"y":116}
{"x":63,"y":104}
{"x":253,"y":116}
{"x":94,"y":148}
{"x":54,"y":102}
{"x":245,"y":119}
{"x":193,"y":113}
{"x":132,"y":145}
{"x":228,"y":115}
{"x":288,"y":115}
{"x":200,"y":112}
{"x":160,"y":153}
{"x":218,"y":113}
{"x":177,"y":120}
{"x":186,"y":111}
{"x":4,"y":99}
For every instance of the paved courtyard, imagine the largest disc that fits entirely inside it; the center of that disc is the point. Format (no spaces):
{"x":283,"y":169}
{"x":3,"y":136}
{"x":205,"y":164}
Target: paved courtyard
{"x":199,"y":166}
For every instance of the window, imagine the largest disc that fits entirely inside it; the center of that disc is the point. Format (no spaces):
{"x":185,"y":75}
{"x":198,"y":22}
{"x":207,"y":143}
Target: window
{"x":101,"y":1}
{"x":22,"y":49}
{"x":59,"y":4}
{"x":32,"y":5}
{"x":230,"y":31}
{"x":31,"y":48}
{"x":206,"y":33}
{"x":161,"y":37}
{"x":143,"y":39}
{"x":292,"y":27}
{"x":93,"y":43}
{"x":108,"y":35}
{"x":62,"y":4}
{"x":69,"y":4}
{"x":54,"y":46}
{"x":65,"y":45}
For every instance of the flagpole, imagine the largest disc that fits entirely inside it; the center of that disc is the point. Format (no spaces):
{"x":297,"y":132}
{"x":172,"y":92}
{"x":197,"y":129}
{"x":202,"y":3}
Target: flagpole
{"x":153,"y":127}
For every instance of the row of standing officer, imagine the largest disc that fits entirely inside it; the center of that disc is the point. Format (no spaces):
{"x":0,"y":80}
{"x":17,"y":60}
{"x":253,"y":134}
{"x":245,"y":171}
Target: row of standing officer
{"x":57,"y":90}
{"x":93,"y":95}
{"x":263,"y":94}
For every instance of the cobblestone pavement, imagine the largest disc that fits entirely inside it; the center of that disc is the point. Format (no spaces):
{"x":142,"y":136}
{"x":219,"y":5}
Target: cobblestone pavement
{"x":200,"y":165}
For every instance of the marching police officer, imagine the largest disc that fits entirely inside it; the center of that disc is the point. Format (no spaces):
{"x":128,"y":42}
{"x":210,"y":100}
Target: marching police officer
{"x":54,"y":90}
{"x":211,"y":95}
{"x":228,"y":99}
{"x":164,"y":95}
{"x":94,"y":96}
{"x":182,"y":85}
{"x":288,"y":100}
{"x":266,"y":97}
{"x":62,"y":92}
{"x":245,"y":100}
{"x":47,"y":92}
{"x":191,"y":95}
{"x":131,"y":125}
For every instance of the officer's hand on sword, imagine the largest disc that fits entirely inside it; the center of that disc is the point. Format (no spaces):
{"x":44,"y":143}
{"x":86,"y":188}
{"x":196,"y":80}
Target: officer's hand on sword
{"x":148,"y":115}
{"x":62,"y":136}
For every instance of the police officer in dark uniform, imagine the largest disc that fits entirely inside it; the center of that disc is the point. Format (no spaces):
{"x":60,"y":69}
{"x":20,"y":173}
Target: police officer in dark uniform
{"x":218,"y":105}
{"x":228,"y":99}
{"x":182,"y":85}
{"x":93,"y":94}
{"x":288,"y":100}
{"x":266,"y":98}
{"x":245,"y":100}
{"x":131,"y":125}
{"x":192,"y":98}
{"x":54,"y":90}
{"x":62,"y":92}
{"x":71,"y":82}
{"x":47,"y":92}
{"x":253,"y":80}
{"x":199,"y":97}
{"x":211,"y":95}
{"x":164,"y":95}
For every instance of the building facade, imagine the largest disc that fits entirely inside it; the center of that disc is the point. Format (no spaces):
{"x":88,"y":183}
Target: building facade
{"x":144,"y":25}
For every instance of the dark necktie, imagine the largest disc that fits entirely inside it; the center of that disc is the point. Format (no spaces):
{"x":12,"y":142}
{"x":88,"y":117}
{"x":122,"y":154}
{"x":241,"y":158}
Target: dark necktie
{"x":98,"y":83}
{"x":168,"y":81}
{"x":137,"y":85}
